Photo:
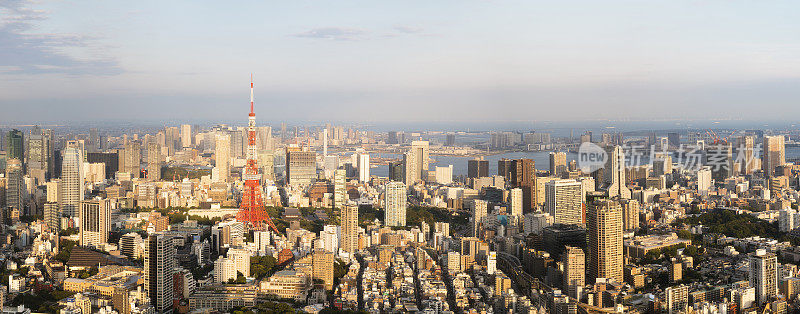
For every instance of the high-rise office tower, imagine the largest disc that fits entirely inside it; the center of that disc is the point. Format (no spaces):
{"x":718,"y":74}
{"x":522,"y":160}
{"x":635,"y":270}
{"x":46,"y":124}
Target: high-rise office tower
{"x":340,"y":197}
{"x":14,"y":145}
{"x":563,"y":201}
{"x":604,"y":228}
{"x":397,"y":170}
{"x":363,"y":167}
{"x":349,"y":242}
{"x":416,"y":162}
{"x":153,"y":161}
{"x":720,"y":157}
{"x":477,"y":168}
{"x":480,"y":208}
{"x":95,"y":218}
{"x":763,"y":275}
{"x":301,"y":167}
{"x":52,"y":216}
{"x":395,"y":203}
{"x":505,"y":168}
{"x":746,"y":147}
{"x":558,"y":163}
{"x":614,"y":173}
{"x":222,"y":156}
{"x":391,"y":138}
{"x":525,"y":179}
{"x":94,"y":141}
{"x":238,"y":142}
{"x":15,"y":186}
{"x":662,"y":164}
{"x":515,"y":202}
{"x":774,"y":154}
{"x":130,"y":158}
{"x":40,"y":153}
{"x":574,"y":261}
{"x":172,"y":139}
{"x":71,"y":191}
{"x":159,"y":265}
{"x":186,"y":135}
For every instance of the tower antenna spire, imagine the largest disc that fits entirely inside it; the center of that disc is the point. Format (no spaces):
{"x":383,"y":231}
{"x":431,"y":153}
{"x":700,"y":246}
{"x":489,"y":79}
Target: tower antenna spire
{"x":251,"y":93}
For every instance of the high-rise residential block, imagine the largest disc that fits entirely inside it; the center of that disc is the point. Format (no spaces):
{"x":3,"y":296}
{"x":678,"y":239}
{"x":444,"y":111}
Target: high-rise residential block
{"x":604,"y":228}
{"x":563,"y":201}
{"x":222,"y":156}
{"x":763,"y":275}
{"x":774,"y":154}
{"x":395,"y":204}
{"x":349,"y":231}
{"x":153,"y":161}
{"x":515,"y":202}
{"x":416,"y":162}
{"x":363,"y":167}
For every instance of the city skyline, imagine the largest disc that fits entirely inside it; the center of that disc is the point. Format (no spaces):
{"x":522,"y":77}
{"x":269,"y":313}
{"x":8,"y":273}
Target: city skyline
{"x":439,"y":62}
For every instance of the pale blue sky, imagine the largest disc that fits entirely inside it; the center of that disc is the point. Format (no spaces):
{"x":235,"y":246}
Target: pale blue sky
{"x":398,"y":61}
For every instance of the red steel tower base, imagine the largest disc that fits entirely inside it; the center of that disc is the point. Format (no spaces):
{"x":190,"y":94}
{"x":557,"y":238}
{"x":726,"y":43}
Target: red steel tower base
{"x":251,"y":210}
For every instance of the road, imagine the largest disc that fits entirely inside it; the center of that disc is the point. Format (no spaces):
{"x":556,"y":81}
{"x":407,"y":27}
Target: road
{"x":448,"y":283}
{"x":417,"y":286}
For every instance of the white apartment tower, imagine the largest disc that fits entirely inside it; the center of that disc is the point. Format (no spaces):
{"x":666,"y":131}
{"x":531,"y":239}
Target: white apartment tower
{"x":395,"y":204}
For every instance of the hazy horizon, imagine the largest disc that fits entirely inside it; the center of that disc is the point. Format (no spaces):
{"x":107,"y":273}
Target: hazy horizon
{"x":456,"y":62}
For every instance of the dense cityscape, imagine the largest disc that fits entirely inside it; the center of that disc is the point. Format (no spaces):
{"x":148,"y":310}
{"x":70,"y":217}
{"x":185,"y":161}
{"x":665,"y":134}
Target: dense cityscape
{"x":233,"y":218}
{"x":375,"y":157}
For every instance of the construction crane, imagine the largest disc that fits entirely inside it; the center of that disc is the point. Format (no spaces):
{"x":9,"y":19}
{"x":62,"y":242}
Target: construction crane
{"x":715,"y":139}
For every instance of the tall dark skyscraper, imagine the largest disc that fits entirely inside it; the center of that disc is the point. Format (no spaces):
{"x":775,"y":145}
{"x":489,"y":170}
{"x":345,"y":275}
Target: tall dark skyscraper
{"x":477,"y":168}
{"x":451,"y":140}
{"x":525,"y":179}
{"x":505,"y":168}
{"x":674,"y":139}
{"x":14,"y":146}
{"x":111,"y":160}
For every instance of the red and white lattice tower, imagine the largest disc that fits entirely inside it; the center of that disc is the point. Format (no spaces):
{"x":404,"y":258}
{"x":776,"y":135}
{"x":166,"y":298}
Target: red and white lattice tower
{"x":251,"y":211}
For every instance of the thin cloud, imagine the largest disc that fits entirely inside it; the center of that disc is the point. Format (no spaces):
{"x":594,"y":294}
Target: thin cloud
{"x":334,"y":33}
{"x":25,"y":52}
{"x":408,"y":29}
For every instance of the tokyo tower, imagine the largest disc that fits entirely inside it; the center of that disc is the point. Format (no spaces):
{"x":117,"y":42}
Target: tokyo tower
{"x":251,"y":211}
